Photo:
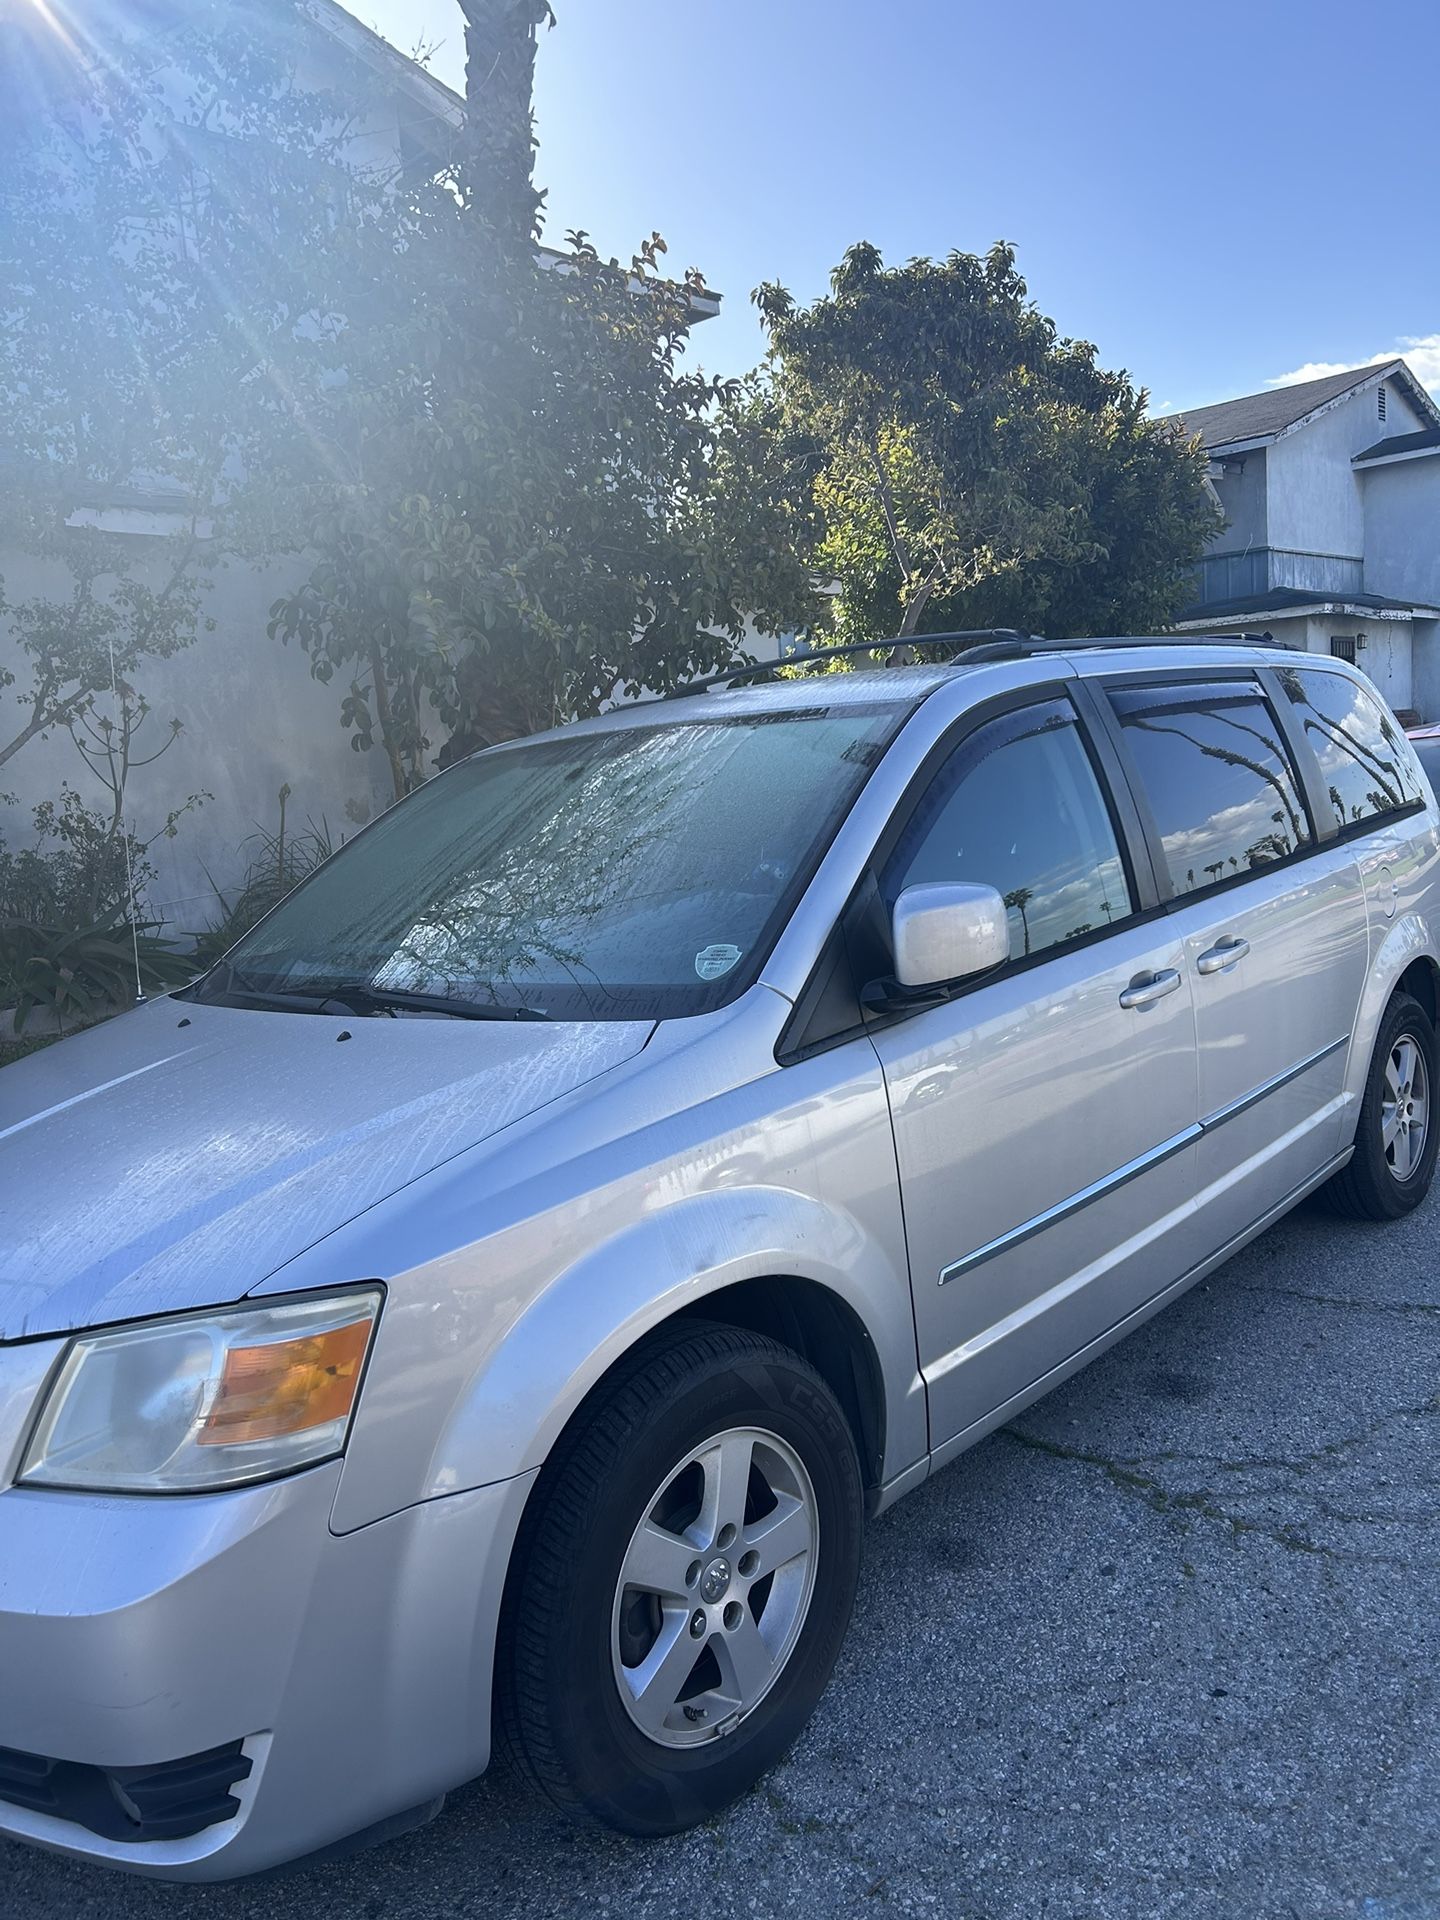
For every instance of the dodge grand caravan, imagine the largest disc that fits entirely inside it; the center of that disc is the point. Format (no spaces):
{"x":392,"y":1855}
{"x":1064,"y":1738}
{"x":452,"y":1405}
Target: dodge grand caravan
{"x":490,"y":1300}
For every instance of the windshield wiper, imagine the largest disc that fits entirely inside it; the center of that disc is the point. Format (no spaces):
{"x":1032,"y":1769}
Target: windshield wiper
{"x":355,"y":997}
{"x":403,"y":1000}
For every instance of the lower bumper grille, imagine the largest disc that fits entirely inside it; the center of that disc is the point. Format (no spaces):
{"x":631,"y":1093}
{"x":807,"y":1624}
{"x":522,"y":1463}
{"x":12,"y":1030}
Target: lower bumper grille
{"x":134,"y":1804}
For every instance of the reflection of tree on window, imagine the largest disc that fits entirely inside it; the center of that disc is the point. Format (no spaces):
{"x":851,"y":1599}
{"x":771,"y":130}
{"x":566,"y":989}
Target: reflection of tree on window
{"x":1361,"y":744}
{"x":596,"y":874}
{"x":1019,"y":898}
{"x":1220,"y":785}
{"x":1232,"y":757}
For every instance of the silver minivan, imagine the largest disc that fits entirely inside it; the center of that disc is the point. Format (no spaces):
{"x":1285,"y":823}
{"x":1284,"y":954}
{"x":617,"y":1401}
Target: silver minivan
{"x":492,"y":1298}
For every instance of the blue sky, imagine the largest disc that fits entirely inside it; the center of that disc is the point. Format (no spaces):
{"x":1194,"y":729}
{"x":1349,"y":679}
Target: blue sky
{"x":1217,"y":195}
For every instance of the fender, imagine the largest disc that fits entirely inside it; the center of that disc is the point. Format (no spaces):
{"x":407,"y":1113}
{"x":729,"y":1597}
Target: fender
{"x":597,"y":1309}
{"x":1409,"y":939}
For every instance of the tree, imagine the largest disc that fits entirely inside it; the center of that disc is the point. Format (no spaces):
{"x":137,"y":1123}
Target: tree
{"x":498,"y":140}
{"x":947,"y":460}
{"x":510,"y":483}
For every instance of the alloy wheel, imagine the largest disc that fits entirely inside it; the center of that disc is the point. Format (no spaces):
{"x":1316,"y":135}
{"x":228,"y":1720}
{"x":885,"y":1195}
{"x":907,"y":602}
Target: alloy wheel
{"x":714,"y":1587}
{"x":1405,"y":1108}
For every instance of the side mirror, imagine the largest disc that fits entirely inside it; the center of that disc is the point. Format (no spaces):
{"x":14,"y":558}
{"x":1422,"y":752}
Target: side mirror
{"x":948,"y":930}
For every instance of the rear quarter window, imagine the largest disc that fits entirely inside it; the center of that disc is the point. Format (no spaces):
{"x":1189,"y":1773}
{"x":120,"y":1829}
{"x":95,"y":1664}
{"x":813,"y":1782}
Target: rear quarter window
{"x":1365,"y":759}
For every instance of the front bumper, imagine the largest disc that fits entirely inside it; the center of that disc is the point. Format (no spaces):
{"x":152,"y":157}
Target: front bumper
{"x":356,"y":1670}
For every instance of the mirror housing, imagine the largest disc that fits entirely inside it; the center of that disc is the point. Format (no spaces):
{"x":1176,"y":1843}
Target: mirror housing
{"x":947,"y":930}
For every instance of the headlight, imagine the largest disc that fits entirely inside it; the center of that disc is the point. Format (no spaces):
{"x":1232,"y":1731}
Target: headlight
{"x":199,"y":1401}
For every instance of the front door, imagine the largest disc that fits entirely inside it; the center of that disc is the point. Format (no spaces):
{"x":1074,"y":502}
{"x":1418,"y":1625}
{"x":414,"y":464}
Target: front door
{"x":1044,"y":1118}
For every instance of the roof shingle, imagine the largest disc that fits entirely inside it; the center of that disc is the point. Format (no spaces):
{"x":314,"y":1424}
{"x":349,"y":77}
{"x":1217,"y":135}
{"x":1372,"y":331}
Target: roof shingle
{"x":1399,"y":443}
{"x":1254,"y":416}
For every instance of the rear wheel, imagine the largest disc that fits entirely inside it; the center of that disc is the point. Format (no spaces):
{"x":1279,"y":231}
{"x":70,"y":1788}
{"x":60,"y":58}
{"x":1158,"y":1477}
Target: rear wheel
{"x":683,"y":1581}
{"x":1396,"y":1136}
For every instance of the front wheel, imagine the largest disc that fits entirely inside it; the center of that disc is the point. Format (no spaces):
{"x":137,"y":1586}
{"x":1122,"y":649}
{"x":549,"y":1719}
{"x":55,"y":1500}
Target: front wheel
{"x":1395,"y":1137}
{"x":683,"y":1582}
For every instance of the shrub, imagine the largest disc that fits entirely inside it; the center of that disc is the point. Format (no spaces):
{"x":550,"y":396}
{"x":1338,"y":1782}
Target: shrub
{"x":82,"y":974}
{"x":278,"y":861}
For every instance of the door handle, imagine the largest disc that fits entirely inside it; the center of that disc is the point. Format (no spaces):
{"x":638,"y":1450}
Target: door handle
{"x":1148,"y":988}
{"x":1223,"y":955}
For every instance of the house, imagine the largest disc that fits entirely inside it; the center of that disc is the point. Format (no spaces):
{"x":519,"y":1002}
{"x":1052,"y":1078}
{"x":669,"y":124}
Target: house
{"x":1331,"y":496}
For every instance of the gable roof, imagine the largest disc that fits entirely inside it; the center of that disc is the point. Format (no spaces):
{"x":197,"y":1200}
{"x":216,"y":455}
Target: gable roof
{"x":1257,"y":416}
{"x":1264,"y":416}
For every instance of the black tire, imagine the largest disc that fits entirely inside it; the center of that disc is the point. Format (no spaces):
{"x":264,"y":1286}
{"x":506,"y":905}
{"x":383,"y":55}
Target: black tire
{"x":558,"y":1691}
{"x":1367,"y":1188}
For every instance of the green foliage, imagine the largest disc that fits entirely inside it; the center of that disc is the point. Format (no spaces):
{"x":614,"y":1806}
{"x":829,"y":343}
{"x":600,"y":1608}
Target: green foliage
{"x":82,"y":974}
{"x":277,"y":862}
{"x":66,"y":941}
{"x":508,"y":475}
{"x":508,"y":491}
{"x":76,"y":870}
{"x":946,"y":460}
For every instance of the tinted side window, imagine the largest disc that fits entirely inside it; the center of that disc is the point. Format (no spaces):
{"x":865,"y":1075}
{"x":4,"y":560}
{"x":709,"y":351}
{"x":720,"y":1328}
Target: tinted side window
{"x":1017,"y":807}
{"x":1363,"y":755}
{"x":1220,"y":785}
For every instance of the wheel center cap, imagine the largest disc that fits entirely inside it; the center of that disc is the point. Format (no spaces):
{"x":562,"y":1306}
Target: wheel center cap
{"x":715,"y":1581}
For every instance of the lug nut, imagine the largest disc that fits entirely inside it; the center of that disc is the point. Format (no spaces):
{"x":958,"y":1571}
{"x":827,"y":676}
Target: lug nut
{"x":697,"y":1624}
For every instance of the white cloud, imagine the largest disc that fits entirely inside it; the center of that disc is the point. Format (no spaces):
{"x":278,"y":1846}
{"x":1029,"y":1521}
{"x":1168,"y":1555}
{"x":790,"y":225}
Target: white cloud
{"x":1421,"y":353}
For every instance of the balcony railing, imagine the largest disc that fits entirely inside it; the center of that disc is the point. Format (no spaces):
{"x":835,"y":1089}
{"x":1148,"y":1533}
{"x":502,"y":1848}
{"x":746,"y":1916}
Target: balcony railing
{"x":1243,"y":573}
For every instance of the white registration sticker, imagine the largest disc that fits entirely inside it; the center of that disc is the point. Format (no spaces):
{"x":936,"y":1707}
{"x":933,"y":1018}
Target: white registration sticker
{"x":712,"y":961}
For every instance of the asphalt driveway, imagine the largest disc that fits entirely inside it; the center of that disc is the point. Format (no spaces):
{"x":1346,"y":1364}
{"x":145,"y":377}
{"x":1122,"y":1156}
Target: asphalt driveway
{"x":1168,"y":1646}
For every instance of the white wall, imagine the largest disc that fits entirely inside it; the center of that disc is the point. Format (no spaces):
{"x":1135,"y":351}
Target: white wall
{"x":1425,"y":670}
{"x":1402,"y":528}
{"x":253,"y":720}
{"x":1386,"y":657}
{"x":1314,"y":504}
{"x":1241,"y":493}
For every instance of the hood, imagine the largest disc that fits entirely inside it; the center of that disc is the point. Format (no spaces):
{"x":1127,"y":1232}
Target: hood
{"x":177,"y":1156}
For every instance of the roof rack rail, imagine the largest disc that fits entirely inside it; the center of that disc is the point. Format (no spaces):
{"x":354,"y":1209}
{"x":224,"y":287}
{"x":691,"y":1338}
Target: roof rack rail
{"x":1266,"y":639}
{"x":1010,"y":642}
{"x":974,"y":646}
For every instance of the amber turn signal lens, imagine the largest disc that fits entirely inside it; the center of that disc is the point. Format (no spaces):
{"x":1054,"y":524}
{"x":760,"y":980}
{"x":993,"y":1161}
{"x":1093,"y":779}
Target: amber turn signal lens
{"x":287,"y":1386}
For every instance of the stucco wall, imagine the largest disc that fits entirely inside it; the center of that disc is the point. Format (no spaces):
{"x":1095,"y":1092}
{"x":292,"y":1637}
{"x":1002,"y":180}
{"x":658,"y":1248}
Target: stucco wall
{"x":1425,"y":670}
{"x":1386,"y":656}
{"x":253,"y":720}
{"x":1402,"y":528}
{"x":1314,"y":501}
{"x":1241,"y":492}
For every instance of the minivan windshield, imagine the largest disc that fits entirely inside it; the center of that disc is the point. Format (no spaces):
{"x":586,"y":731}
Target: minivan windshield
{"x":627,"y":873}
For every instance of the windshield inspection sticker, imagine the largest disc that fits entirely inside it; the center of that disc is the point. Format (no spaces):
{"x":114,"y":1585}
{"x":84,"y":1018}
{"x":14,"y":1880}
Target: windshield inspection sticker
{"x":711,"y":962}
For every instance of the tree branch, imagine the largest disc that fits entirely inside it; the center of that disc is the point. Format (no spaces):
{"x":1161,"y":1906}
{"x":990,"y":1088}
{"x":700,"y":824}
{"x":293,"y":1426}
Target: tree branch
{"x":921,"y":598}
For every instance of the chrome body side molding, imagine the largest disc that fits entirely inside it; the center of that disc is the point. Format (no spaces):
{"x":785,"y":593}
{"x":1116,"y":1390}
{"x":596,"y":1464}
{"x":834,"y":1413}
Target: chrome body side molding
{"x":1097,"y":1190}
